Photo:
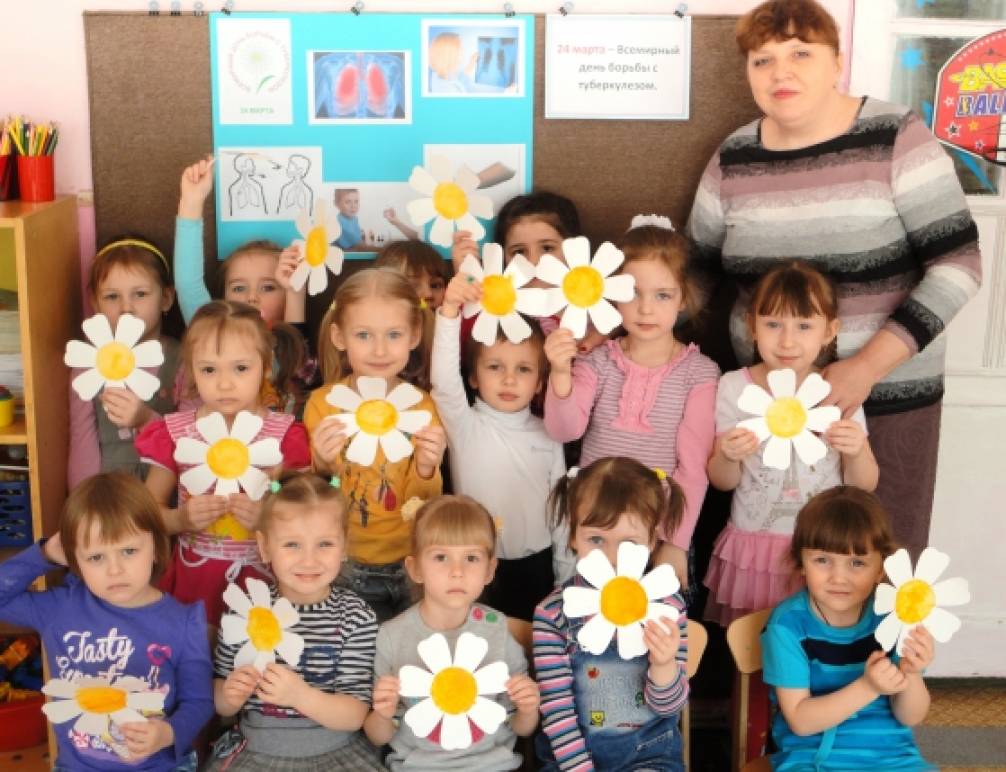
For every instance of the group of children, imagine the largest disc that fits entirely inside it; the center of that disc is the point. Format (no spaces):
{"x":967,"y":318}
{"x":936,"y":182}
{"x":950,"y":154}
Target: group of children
{"x":376,"y":558}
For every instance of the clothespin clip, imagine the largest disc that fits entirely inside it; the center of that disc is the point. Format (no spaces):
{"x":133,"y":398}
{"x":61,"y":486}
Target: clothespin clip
{"x":153,"y":9}
{"x":508,"y":10}
{"x":681,"y":10}
{"x":197,"y":9}
{"x":357,"y":8}
{"x":228,"y":7}
{"x":566,"y":9}
{"x":176,"y":7}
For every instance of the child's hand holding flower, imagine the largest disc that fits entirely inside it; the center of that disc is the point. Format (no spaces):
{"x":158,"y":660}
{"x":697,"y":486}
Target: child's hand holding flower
{"x":281,"y":686}
{"x":201,"y":510}
{"x":289,"y":259}
{"x":431,"y":442}
{"x":327,"y":441}
{"x":245,"y":510}
{"x":846,"y":436}
{"x":918,"y":651}
{"x":882,"y":676}
{"x":463,"y":288}
{"x":239,"y":686}
{"x":145,"y":738}
{"x":462,"y":245}
{"x":124,"y":408}
{"x":662,"y":641}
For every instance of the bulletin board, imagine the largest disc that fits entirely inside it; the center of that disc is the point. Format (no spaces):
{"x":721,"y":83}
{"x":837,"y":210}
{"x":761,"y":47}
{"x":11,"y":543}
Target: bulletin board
{"x":150,"y":104}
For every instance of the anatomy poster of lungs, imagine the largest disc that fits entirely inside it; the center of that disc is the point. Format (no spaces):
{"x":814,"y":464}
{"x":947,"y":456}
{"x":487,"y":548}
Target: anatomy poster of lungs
{"x":338,"y":108}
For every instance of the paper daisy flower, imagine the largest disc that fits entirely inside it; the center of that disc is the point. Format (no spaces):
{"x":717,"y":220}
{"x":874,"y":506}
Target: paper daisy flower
{"x":451,"y":201}
{"x":621,"y":601}
{"x":786,"y":419}
{"x":376,"y":417}
{"x":504,"y":297}
{"x":916,"y":598}
{"x":453,"y":689}
{"x":319,"y":254}
{"x":584,"y":287}
{"x":263,"y":626}
{"x":95,"y":702}
{"x":229,"y":458}
{"x":114,"y":359}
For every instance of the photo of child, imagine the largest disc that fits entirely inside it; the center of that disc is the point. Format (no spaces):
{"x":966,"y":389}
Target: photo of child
{"x":368,"y":213}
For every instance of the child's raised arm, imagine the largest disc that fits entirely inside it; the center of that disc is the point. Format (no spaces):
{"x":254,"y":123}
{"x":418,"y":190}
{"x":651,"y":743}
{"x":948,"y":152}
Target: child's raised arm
{"x":296,"y":300}
{"x":196,"y":184}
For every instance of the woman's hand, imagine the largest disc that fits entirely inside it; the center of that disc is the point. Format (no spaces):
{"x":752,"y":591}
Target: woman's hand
{"x":851,"y":382}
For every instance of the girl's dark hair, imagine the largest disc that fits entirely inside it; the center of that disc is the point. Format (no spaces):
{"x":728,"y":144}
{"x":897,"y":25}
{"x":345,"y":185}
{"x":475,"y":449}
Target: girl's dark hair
{"x":781,"y":20}
{"x":301,"y":490}
{"x":846,"y":520}
{"x":610,"y":487}
{"x":558,"y":211}
{"x":411,"y":256}
{"x":280,"y":341}
{"x":121,"y":505}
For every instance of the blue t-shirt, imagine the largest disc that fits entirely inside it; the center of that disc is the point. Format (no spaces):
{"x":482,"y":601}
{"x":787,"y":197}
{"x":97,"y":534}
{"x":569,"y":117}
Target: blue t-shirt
{"x":164,"y":644}
{"x":352,"y":233}
{"x":799,"y":651}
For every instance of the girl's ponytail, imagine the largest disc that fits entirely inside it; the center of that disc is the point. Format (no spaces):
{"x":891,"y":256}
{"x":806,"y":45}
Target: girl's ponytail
{"x":290,"y":353}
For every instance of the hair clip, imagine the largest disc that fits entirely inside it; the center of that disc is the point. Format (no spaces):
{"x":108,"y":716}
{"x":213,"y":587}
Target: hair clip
{"x":335,"y":482}
{"x":660,"y":473}
{"x":274,"y":486}
{"x":656,"y":220}
{"x":573,"y":472}
{"x":423,"y":305}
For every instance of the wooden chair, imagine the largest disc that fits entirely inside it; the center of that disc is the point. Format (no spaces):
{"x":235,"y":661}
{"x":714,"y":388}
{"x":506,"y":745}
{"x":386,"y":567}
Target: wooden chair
{"x":697,"y":640}
{"x":743,"y":639}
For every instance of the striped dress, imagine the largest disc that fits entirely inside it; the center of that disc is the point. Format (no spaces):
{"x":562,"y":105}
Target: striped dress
{"x":878,"y":208}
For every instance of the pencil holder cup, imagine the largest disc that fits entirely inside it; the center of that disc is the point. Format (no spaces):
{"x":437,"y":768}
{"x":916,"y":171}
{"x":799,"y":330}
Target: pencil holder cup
{"x":6,"y":407}
{"x":36,"y":177}
{"x":8,"y":177}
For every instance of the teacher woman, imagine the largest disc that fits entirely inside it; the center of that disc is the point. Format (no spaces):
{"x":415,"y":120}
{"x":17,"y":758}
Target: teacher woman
{"x":861,"y":189}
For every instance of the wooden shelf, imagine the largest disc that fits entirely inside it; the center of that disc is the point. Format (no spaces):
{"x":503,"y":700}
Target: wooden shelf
{"x":16,"y":433}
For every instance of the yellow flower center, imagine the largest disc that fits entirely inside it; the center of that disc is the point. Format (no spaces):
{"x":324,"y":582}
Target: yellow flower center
{"x":101,"y":699}
{"x":454,"y":690}
{"x":450,"y":200}
{"x":623,"y":601}
{"x":263,"y":629}
{"x":583,"y":286}
{"x":499,"y":297}
{"x":316,"y":248}
{"x":786,"y":417}
{"x":228,"y":458}
{"x":115,"y":361}
{"x":914,"y":601}
{"x":376,"y":416}
{"x":227,"y":527}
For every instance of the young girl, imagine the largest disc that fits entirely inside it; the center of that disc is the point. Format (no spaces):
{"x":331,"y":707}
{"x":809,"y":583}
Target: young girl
{"x":227,"y":353}
{"x":843,"y":704}
{"x":128,"y":276}
{"x":604,"y":712}
{"x":452,"y":560}
{"x":426,"y":269}
{"x":646,"y":395}
{"x":109,"y":622}
{"x":305,"y":715}
{"x":500,"y":453}
{"x":793,"y":322}
{"x":375,"y":328}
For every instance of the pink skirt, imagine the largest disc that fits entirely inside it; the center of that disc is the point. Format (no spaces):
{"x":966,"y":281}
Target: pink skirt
{"x":748,"y":571}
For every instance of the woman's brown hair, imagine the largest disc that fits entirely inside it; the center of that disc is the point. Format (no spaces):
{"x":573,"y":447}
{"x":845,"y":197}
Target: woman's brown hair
{"x":598,"y":495}
{"x":121,"y":505}
{"x":845,"y":520}
{"x":785,"y":19}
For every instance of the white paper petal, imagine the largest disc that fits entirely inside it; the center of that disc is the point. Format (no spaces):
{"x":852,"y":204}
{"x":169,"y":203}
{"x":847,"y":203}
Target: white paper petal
{"x":395,"y":446}
{"x":422,"y":181}
{"x":233,"y":628}
{"x":931,"y":564}
{"x":484,"y":329}
{"x":455,"y":732}
{"x":952,"y":592}
{"x":237,"y":600}
{"x":129,"y":330}
{"x":212,"y":427}
{"x":435,"y":653}
{"x":574,"y":319}
{"x":258,"y":591}
{"x":551,"y":270}
{"x":263,"y":659}
{"x":87,"y":384}
{"x":317,"y":280}
{"x":492,"y":679}
{"x":469,"y":651}
{"x":343,"y":397}
{"x":468,"y":222}
{"x":412,"y":421}
{"x":480,"y":205}
{"x":423,"y":717}
{"x":334,"y":260}
{"x":576,"y":251}
{"x":471,"y":267}
{"x":778,"y":453}
{"x":604,"y":316}
{"x":632,"y":559}
{"x":466,"y":179}
{"x":532,"y":301}
{"x":515,"y":328}
{"x":809,"y":448}
{"x":126,"y":716}
{"x":131,"y":684}
{"x":362,"y":449}
{"x":442,"y":232}
{"x":421,"y":211}
{"x":98,"y":330}
{"x":782,"y":383}
{"x":621,"y":288}
{"x":630,"y":641}
{"x":813,"y":389}
{"x":657,"y":611}
{"x":820,"y":418}
{"x":595,"y":568}
{"x":595,"y":636}
{"x":189,"y":450}
{"x":754,"y":400}
{"x":660,"y":582}
{"x":226,"y":487}
{"x":246,"y":655}
{"x":299,"y":275}
{"x":254,"y":482}
{"x":142,"y":384}
{"x":197,"y":480}
{"x":607,"y":258}
{"x":371,"y":387}
{"x":145,"y":700}
{"x":246,"y":425}
{"x":520,"y":269}
{"x":290,"y":648}
{"x":487,"y":715}
{"x":440,"y":168}
{"x":898,"y":567}
{"x":756,"y":425}
{"x":404,"y":396}
{"x":942,"y":624}
{"x":80,"y":354}
{"x":91,"y":723}
{"x":555,"y":301}
{"x":60,"y":687}
{"x":887,"y":631}
{"x":61,"y":711}
{"x":304,"y":224}
{"x":150,"y":353}
{"x":415,"y":682}
{"x":883,"y":598}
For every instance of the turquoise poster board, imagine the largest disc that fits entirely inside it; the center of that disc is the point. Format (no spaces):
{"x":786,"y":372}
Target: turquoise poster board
{"x":340,"y":108}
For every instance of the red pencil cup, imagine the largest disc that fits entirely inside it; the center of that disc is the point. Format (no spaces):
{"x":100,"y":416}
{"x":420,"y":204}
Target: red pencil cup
{"x":8,"y":177}
{"x":36,"y":177}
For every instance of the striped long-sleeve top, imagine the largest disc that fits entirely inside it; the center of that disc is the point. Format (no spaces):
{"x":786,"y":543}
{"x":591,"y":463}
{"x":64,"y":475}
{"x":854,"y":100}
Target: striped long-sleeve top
{"x":878,"y":208}
{"x":582,"y":693}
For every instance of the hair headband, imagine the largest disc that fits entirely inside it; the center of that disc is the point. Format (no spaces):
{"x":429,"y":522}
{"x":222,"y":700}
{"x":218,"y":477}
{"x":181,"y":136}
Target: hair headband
{"x":656,"y":220}
{"x":276,"y":486}
{"x":134,"y":243}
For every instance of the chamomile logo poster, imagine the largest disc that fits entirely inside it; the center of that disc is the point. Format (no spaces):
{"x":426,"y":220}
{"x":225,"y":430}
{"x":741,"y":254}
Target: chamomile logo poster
{"x":335,"y":110}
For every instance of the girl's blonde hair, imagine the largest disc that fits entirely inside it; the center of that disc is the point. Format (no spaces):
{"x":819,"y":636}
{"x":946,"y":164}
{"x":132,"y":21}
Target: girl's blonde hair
{"x":225,"y":317}
{"x":453,"y":520}
{"x":121,"y":505}
{"x":384,"y":283}
{"x":598,"y":495}
{"x":302,"y":490}
{"x":845,"y":520}
{"x":651,"y":242}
